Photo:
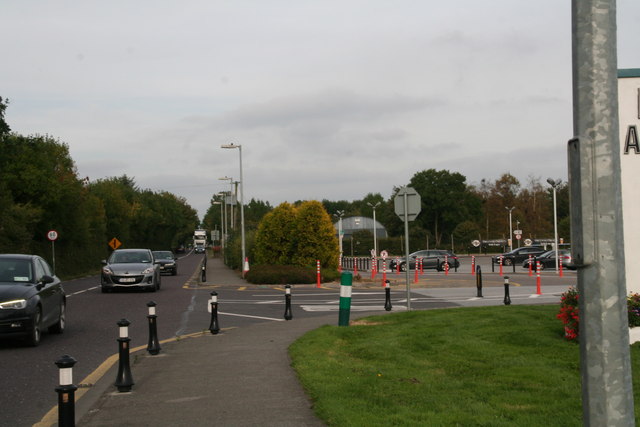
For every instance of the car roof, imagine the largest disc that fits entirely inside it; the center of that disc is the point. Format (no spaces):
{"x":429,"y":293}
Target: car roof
{"x":131,"y":250}
{"x":17,"y":256}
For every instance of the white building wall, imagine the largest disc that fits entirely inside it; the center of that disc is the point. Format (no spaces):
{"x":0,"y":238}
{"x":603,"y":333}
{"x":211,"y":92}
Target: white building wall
{"x":629,"y":111}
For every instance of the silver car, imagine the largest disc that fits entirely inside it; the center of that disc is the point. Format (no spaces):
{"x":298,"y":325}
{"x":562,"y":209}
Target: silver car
{"x":130,"y":268}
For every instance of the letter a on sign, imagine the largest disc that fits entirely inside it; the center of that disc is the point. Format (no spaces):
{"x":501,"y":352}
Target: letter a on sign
{"x":631,"y":141}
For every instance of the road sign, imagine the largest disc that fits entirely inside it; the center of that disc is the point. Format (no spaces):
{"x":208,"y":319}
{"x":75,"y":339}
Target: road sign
{"x":517,"y":232}
{"x":476,"y":243}
{"x":413,"y":202}
{"x":384,"y":254}
{"x":114,"y":243}
{"x":518,"y":236}
{"x":52,"y":235}
{"x":528,"y":242}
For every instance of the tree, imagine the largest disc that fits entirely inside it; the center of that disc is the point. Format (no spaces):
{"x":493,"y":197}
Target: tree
{"x":446,"y":201}
{"x":314,"y":237}
{"x":4,"y":127}
{"x":275,"y":236}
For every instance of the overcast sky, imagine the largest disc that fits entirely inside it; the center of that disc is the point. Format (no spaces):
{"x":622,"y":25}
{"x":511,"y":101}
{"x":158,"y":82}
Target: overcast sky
{"x":329,"y":99}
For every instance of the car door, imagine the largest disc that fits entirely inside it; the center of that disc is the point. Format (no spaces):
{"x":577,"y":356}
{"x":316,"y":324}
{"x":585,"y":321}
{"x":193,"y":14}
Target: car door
{"x":50,"y":293}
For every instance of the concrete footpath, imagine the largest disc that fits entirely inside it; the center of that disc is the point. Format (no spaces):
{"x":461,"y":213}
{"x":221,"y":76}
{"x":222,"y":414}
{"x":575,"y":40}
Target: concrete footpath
{"x":239,"y":377}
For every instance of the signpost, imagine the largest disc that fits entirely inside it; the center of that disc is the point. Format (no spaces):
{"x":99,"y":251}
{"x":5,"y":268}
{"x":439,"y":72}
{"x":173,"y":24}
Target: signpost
{"x":408,"y":205}
{"x":114,"y":243}
{"x":52,"y":235}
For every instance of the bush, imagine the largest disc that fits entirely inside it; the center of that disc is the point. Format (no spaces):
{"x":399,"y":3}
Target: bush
{"x":287,"y":275}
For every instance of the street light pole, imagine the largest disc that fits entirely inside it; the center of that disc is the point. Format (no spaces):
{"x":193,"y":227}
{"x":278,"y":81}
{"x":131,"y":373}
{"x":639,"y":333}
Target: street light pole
{"x":554,"y":185}
{"x":239,"y":147}
{"x":375,"y":231}
{"x":339,"y":214}
{"x":510,"y":228}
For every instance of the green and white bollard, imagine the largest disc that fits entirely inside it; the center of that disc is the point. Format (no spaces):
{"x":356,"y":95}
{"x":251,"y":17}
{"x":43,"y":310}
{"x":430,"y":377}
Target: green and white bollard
{"x":345,"y":298}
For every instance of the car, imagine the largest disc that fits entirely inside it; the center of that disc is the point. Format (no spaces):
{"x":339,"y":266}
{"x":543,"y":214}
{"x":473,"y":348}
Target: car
{"x":130,"y":268}
{"x":167,"y":262}
{"x":199,"y":250}
{"x":518,"y":255}
{"x":31,"y":298}
{"x":548,"y":260}
{"x":431,"y":258}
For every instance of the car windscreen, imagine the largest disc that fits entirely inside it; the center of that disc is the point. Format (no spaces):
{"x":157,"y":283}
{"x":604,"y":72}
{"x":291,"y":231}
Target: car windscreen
{"x":16,"y":270}
{"x":129,"y":257}
{"x":163,"y":255}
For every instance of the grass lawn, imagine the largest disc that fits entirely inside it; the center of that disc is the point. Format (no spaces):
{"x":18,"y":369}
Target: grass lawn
{"x":481,"y":366}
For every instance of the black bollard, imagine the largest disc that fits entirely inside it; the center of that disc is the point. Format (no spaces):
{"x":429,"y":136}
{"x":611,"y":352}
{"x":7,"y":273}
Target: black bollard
{"x":66,"y":392}
{"x":479,"y":281}
{"x":287,"y":303}
{"x":124,"y":379}
{"x":387,"y":296}
{"x":213,"y":309}
{"x":507,"y":298}
{"x":153,"y":347}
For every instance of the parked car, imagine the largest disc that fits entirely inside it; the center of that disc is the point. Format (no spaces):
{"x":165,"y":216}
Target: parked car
{"x":130,"y":268}
{"x":548,"y":260}
{"x":31,"y":298}
{"x":167,"y":262}
{"x":431,"y":258}
{"x":518,"y":255}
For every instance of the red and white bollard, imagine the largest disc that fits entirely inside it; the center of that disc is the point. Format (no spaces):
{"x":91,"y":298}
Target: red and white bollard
{"x":397,"y":265}
{"x":374,"y":268}
{"x":560,"y":268}
{"x":530,"y":266}
{"x":500,"y":263}
{"x":318,"y":273}
{"x":355,"y":266}
{"x":415,"y":269}
{"x":384,"y":271}
{"x":446,"y":265}
{"x":538,"y":291}
{"x":421,"y":267}
{"x":473,"y":265}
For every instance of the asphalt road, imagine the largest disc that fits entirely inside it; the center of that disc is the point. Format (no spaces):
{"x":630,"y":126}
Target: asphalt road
{"x":31,"y":375}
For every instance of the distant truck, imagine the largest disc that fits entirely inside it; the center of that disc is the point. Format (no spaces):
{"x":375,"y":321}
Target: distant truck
{"x":200,"y":240}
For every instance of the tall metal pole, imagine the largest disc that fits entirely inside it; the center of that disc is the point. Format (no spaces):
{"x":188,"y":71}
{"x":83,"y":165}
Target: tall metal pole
{"x":406,"y":249}
{"x":510,"y":228}
{"x":244,"y":255}
{"x":554,"y":184}
{"x":596,"y":218}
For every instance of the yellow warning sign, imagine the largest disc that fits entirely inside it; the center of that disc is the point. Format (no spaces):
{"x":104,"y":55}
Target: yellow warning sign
{"x":114,"y":243}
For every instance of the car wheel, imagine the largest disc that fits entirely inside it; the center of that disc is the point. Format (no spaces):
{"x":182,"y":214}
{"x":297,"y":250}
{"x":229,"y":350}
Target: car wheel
{"x":36,"y":333}
{"x":541,"y":266}
{"x":58,"y":327}
{"x":403,"y":266}
{"x":508,"y":261}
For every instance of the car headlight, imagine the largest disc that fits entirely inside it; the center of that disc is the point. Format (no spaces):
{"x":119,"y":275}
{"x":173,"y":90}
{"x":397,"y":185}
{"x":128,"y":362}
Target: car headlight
{"x":107,"y":270}
{"x":148,"y":270}
{"x":15,"y":304}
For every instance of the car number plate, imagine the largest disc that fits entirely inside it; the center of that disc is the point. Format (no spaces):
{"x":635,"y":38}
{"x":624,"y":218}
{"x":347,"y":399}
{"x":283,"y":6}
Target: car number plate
{"x":127,"y":280}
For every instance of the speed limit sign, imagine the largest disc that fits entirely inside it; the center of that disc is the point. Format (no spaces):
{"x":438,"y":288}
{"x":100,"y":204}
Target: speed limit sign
{"x":52,"y":235}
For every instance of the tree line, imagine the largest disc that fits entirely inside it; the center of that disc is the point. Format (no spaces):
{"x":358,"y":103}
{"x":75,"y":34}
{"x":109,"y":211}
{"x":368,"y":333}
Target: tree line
{"x":40,"y":190}
{"x":454,"y":213}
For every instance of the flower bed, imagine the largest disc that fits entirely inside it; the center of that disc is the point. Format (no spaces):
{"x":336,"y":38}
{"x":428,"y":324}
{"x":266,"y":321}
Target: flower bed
{"x":570,"y":315}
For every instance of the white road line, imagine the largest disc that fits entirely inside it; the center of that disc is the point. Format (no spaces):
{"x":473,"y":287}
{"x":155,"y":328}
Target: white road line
{"x":83,"y":291}
{"x":253,"y":317}
{"x":334,"y":307}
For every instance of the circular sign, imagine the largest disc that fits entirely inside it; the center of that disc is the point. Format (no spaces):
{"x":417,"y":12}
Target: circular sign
{"x":52,"y":235}
{"x":528,"y":242}
{"x":476,"y":243}
{"x":384,"y":254}
{"x":518,"y":236}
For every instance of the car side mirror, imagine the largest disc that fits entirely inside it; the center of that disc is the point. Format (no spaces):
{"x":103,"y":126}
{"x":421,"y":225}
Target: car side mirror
{"x":46,"y":279}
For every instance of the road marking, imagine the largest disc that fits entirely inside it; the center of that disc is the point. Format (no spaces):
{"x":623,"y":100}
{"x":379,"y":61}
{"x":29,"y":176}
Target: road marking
{"x":252,"y":317}
{"x":336,"y":307}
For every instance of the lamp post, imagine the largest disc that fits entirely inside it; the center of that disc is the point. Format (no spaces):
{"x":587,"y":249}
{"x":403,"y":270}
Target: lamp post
{"x":375,"y":240}
{"x":510,"y":228}
{"x":227,"y":178}
{"x":340,"y":214}
{"x":554,"y":184}
{"x":239,"y":147}
{"x":221,"y":223}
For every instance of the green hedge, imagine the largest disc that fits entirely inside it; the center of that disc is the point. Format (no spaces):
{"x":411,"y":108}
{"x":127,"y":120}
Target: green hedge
{"x":288,"y":275}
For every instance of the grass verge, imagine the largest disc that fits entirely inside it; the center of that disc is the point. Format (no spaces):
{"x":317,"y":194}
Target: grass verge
{"x":481,"y":366}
